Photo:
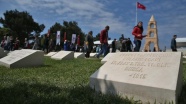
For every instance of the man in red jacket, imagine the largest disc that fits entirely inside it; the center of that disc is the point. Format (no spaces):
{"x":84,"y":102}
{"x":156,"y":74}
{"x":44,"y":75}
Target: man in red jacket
{"x":137,"y":32}
{"x":104,"y":41}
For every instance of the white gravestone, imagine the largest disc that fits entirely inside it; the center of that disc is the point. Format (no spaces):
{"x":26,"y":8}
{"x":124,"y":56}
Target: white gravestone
{"x":51,"y":54}
{"x":79,"y":55}
{"x":2,"y":53}
{"x":23,"y":58}
{"x":107,"y":57}
{"x":63,"y":55}
{"x":93,"y":54}
{"x":148,"y":76}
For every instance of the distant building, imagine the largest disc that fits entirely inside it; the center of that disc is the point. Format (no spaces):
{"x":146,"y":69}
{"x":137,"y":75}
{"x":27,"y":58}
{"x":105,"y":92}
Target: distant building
{"x":181,"y":45}
{"x":181,"y":42}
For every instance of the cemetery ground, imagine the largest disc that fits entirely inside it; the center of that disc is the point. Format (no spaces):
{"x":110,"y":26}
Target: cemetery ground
{"x":65,"y":81}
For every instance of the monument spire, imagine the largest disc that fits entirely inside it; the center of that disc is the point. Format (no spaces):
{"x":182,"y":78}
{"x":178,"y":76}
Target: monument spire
{"x":152,"y":36}
{"x":152,"y":18}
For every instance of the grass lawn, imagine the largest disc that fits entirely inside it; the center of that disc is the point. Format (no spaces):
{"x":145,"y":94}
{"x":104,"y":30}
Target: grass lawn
{"x":64,"y":82}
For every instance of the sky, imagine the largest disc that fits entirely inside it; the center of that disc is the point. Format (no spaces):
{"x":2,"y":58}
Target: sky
{"x":94,"y":15}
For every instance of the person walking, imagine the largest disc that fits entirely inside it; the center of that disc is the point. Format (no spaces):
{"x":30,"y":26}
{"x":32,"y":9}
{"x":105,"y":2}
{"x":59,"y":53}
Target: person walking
{"x":36,"y":43}
{"x":114,"y":46}
{"x":104,"y":42}
{"x":46,"y":44}
{"x":89,"y":43}
{"x":129,"y":45}
{"x":173,"y":44}
{"x":26,"y":44}
{"x":137,"y":32}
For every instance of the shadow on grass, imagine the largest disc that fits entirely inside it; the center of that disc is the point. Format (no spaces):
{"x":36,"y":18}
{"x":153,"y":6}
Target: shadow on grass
{"x":21,"y":93}
{"x":182,"y":98}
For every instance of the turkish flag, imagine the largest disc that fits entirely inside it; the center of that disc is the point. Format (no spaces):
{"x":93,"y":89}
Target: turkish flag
{"x":141,"y":6}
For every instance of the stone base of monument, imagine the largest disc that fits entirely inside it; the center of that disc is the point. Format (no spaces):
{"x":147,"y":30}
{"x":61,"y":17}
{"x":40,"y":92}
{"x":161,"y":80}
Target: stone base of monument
{"x":107,"y":57}
{"x":146,"y":76}
{"x":2,"y":53}
{"x":93,"y":54}
{"x":23,"y":58}
{"x":63,"y":55}
{"x":79,"y":55}
{"x":50,"y":54}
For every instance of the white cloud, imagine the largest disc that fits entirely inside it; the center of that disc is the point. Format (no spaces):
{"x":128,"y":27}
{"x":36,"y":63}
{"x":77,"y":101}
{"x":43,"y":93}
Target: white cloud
{"x":90,"y":13}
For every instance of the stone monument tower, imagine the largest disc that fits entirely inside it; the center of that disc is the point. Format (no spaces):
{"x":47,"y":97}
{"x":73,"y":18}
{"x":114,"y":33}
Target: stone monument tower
{"x":152,"y":35}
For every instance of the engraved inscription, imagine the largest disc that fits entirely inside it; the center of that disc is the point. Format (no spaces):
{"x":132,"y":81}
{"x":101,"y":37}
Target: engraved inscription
{"x":134,"y":69}
{"x":138,"y":76}
{"x":137,"y":64}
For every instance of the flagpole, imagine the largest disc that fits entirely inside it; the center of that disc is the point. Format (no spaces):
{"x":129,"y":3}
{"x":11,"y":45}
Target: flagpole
{"x":136,"y":12}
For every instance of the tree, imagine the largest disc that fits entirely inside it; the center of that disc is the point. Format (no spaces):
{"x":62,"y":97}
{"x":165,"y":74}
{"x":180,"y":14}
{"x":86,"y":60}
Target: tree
{"x":21,"y":23}
{"x":97,"y":37}
{"x":5,"y":31}
{"x":53,"y":30}
{"x":68,"y":27}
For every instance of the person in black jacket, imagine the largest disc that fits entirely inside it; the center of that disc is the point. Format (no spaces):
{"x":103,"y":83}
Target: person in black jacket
{"x":173,"y":43}
{"x":114,"y":45}
{"x":129,"y":45}
{"x":89,"y":44}
{"x":46,"y":43}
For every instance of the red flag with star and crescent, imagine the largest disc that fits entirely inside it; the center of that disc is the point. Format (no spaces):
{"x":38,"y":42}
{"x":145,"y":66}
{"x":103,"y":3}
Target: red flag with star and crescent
{"x":140,"y":6}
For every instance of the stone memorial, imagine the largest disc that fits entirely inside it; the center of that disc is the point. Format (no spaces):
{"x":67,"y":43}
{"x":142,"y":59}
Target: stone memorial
{"x":79,"y":55}
{"x":51,"y":54}
{"x":146,"y":76}
{"x":63,"y":55}
{"x":107,"y":57}
{"x":2,"y":53}
{"x":23,"y":58}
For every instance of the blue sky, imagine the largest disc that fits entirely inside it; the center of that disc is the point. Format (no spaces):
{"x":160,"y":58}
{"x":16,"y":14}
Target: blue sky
{"x":94,"y":15}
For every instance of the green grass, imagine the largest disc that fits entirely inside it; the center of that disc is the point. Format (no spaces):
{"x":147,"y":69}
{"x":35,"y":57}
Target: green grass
{"x":58,"y":82}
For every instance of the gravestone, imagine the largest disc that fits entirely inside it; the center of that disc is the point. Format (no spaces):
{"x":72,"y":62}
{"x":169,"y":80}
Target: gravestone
{"x":51,"y":54}
{"x":63,"y":55}
{"x":23,"y":58}
{"x":146,"y":76}
{"x":93,"y":54}
{"x":107,"y":57}
{"x":2,"y":53}
{"x":79,"y":55}
{"x":184,"y":56}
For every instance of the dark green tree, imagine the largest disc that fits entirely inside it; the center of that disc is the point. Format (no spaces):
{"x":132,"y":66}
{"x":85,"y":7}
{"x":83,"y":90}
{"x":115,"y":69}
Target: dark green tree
{"x":53,"y":30}
{"x":21,"y":23}
{"x":68,"y":27}
{"x":97,"y":37}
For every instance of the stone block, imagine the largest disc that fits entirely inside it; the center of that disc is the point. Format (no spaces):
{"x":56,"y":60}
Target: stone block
{"x":23,"y":58}
{"x":146,"y":76}
{"x":62,"y":55}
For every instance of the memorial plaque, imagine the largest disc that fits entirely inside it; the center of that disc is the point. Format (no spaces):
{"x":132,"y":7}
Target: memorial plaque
{"x":51,"y":54}
{"x":79,"y":55}
{"x":107,"y":57}
{"x":146,"y":76}
{"x":63,"y":55}
{"x":23,"y":58}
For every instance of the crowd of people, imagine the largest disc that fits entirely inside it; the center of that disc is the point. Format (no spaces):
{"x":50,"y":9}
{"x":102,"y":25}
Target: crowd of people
{"x":9,"y":44}
{"x":47,"y":45}
{"x":126,"y":44}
